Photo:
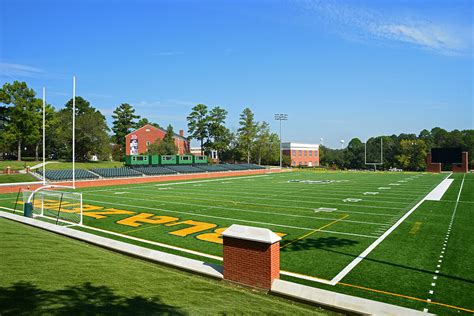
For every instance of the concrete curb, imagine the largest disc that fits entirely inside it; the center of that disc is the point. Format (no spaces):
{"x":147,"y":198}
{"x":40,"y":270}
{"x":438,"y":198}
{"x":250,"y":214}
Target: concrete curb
{"x":287,"y":289}
{"x":193,"y":265}
{"x":339,"y":301}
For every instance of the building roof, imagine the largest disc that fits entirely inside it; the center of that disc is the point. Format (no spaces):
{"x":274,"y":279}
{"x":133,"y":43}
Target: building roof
{"x":299,"y":146}
{"x":160,"y":129}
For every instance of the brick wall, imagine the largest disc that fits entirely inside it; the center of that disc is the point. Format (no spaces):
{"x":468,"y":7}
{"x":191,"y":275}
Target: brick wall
{"x":462,"y":167}
{"x":251,"y":263}
{"x":150,"y":134}
{"x":303,"y":157}
{"x":432,"y":167}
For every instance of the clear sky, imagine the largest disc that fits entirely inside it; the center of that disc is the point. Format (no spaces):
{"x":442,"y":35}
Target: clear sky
{"x":339,"y":69}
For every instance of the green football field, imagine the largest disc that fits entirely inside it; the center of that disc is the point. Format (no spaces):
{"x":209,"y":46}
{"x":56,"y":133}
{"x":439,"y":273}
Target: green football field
{"x":326,"y":219}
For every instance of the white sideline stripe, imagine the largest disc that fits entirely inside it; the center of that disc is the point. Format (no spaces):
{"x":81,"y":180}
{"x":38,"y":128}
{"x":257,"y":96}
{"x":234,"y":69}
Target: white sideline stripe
{"x":439,"y":191}
{"x":367,"y":251}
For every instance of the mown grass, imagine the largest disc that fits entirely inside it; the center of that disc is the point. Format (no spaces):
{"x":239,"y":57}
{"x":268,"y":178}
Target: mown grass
{"x":50,"y":274}
{"x":13,"y":178}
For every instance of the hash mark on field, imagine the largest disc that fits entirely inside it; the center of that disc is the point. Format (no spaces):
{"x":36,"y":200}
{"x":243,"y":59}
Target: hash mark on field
{"x":121,"y":192}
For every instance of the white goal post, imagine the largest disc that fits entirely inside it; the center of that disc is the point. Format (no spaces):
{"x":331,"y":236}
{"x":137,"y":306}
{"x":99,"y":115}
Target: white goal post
{"x":59,"y":206}
{"x":374,"y":163}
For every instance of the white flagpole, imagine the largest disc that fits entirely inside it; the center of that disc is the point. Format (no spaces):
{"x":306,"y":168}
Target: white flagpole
{"x":73,"y":132}
{"x":44,"y":136}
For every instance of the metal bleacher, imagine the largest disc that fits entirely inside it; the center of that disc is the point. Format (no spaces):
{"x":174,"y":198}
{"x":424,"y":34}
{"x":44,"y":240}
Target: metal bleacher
{"x":184,"y":169}
{"x":153,"y":171}
{"x":61,"y":175}
{"x":211,"y":168}
{"x":116,"y":172}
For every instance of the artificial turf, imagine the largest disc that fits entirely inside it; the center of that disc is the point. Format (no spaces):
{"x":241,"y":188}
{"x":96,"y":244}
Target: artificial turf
{"x":328,"y":219}
{"x":44,"y":273}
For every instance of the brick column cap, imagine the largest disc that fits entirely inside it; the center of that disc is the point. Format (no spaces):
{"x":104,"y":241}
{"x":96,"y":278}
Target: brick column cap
{"x":257,"y":234}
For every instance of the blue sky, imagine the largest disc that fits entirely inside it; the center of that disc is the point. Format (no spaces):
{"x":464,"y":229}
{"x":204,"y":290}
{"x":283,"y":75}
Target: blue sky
{"x":340,"y":69}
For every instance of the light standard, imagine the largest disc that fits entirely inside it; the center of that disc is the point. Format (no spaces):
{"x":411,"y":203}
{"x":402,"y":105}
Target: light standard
{"x":281,"y":117}
{"x":321,"y":141}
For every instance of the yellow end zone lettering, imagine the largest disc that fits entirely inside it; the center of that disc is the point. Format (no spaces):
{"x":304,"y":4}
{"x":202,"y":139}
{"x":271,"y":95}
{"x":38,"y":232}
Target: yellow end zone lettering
{"x":195,"y":228}
{"x":146,"y":218}
{"x":109,"y":211}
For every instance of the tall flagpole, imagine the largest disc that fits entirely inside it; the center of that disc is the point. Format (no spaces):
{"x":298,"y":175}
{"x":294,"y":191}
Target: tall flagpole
{"x":44,"y":136}
{"x":73,"y":132}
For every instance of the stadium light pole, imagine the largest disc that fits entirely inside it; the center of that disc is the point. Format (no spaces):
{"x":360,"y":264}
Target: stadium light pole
{"x":281,"y":117}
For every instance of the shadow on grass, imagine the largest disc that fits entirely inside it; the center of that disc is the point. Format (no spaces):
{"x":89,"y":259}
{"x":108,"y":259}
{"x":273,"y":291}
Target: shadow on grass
{"x":403,"y":266}
{"x":320,"y":243}
{"x":25,"y":298}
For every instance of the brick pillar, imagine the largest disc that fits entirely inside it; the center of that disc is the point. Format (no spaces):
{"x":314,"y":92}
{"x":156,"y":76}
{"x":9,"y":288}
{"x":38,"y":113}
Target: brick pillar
{"x":251,"y":256}
{"x":432,"y":167}
{"x":463,"y":166}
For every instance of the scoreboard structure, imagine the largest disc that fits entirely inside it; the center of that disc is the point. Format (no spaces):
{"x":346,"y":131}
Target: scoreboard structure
{"x":454,"y":156}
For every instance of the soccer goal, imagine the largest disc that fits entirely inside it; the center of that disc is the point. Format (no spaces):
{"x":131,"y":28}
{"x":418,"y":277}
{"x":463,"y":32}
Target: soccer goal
{"x":59,"y":206}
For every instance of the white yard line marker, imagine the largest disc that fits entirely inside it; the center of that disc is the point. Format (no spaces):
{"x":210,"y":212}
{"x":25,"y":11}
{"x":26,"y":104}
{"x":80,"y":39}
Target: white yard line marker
{"x":367,"y":251}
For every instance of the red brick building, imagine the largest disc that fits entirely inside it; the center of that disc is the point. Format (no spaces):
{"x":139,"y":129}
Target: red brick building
{"x":137,"y":142}
{"x":302,"y":154}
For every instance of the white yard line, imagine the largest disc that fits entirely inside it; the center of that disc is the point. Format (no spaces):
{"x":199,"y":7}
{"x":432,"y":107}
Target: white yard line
{"x":218,"y":217}
{"x":175,"y":183}
{"x":237,"y":209}
{"x":306,"y":199}
{"x":367,"y":251}
{"x":180,"y":194}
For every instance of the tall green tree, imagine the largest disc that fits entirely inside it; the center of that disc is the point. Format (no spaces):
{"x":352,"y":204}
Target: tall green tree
{"x":144,"y":121}
{"x":218,"y":134}
{"x":247,"y":132}
{"x":166,"y":146}
{"x":354,"y":154}
{"x":262,"y":139}
{"x":124,"y":122}
{"x":413,"y":154}
{"x":198,"y":124}
{"x":91,"y":131}
{"x":51,"y":124}
{"x":22,"y":113}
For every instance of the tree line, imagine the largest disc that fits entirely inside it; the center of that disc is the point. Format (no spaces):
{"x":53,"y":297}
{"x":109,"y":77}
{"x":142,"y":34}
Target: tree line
{"x":21,"y":130}
{"x":405,"y":151}
{"x":252,"y":142}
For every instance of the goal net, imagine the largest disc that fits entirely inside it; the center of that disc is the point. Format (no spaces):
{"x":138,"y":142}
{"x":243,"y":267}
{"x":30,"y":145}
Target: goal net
{"x":59,"y":206}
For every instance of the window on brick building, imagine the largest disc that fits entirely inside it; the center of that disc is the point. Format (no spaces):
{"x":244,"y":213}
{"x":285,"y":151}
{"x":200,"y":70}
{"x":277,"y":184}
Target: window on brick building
{"x":294,"y":152}
{"x":300,"y":152}
{"x":310,"y":153}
